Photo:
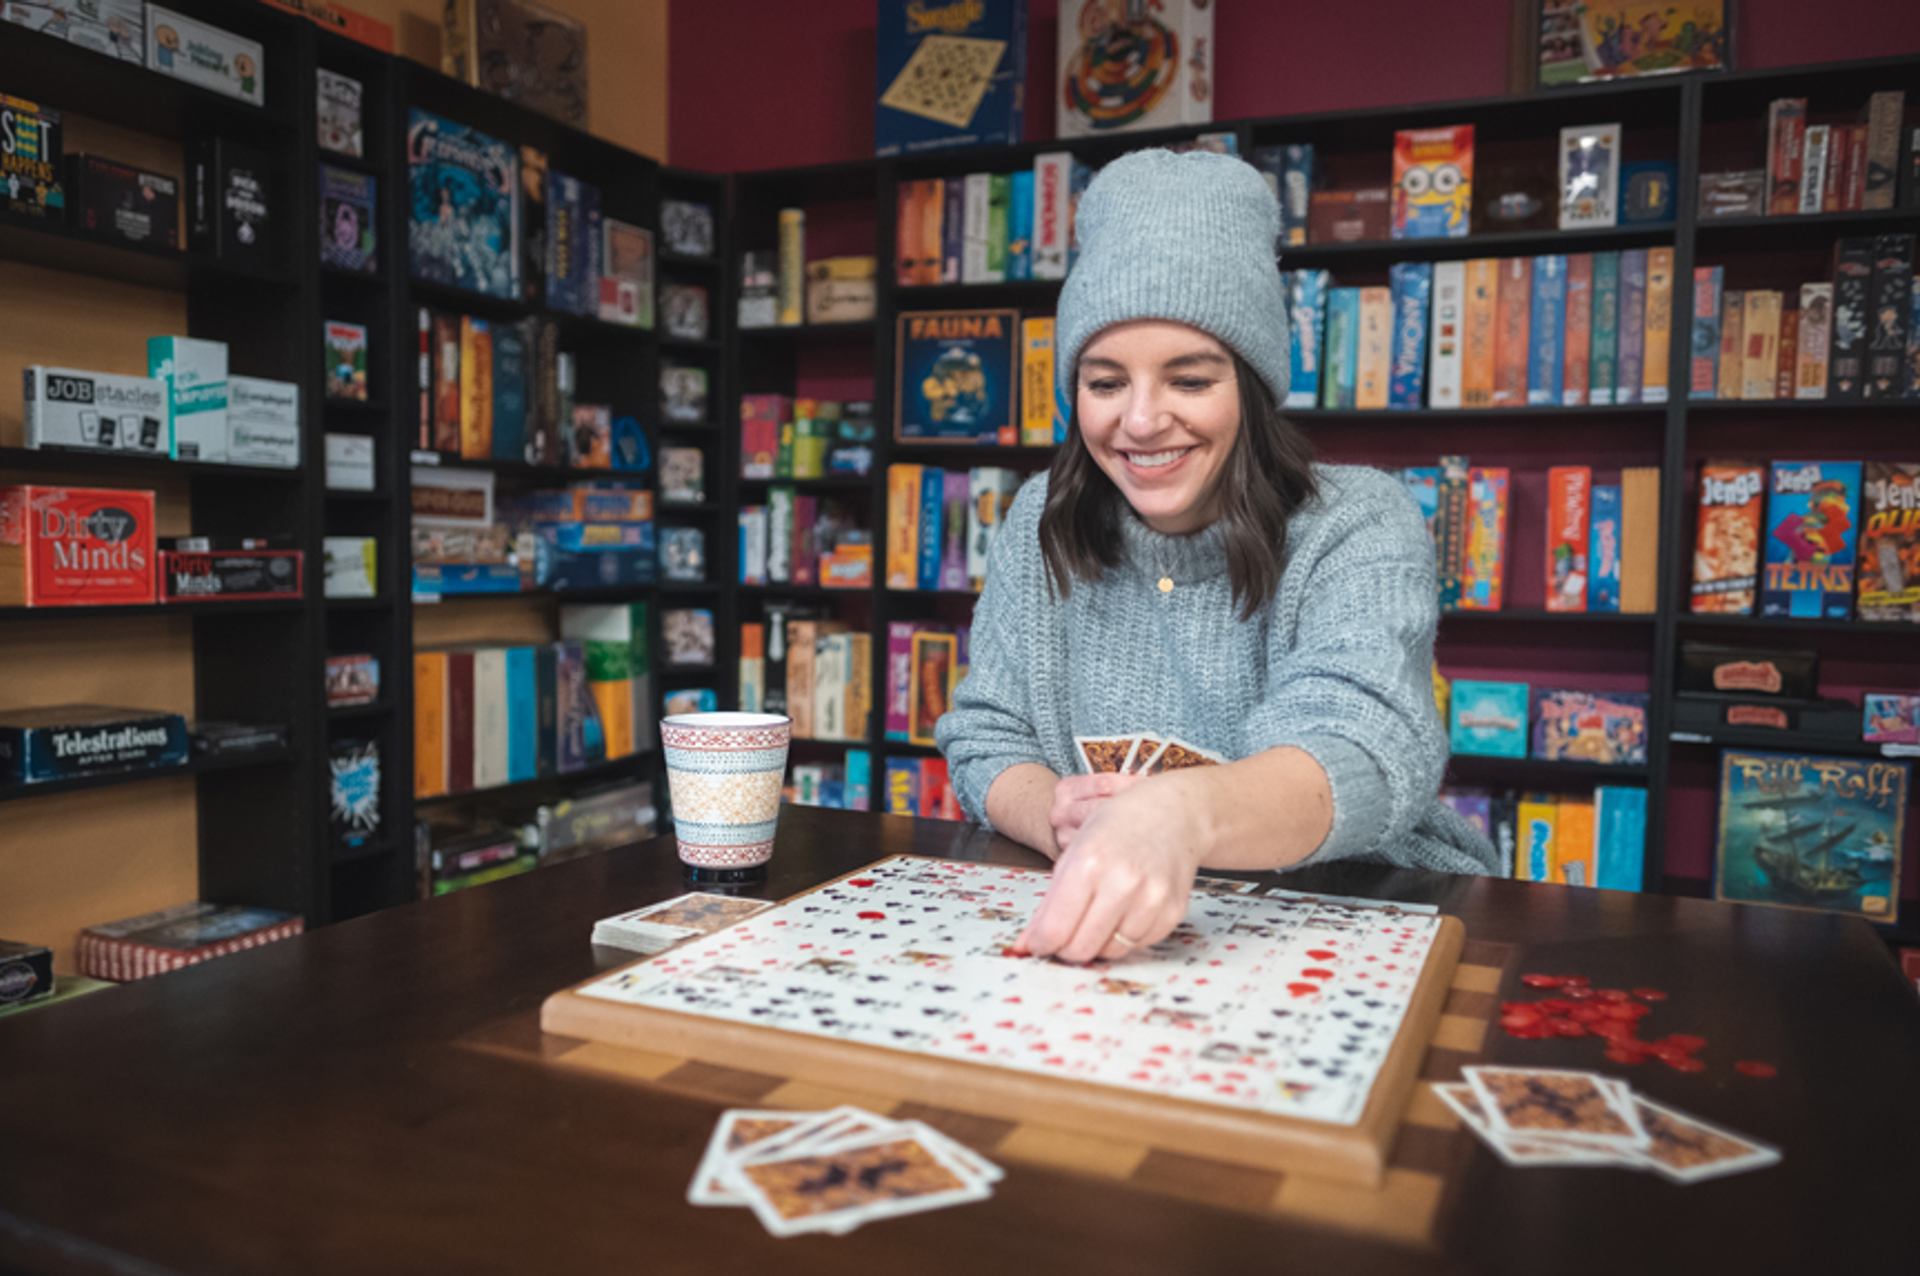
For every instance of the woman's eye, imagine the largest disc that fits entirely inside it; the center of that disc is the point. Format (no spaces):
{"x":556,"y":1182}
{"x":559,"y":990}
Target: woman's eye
{"x":1106,"y":385}
{"x":1193,"y":385}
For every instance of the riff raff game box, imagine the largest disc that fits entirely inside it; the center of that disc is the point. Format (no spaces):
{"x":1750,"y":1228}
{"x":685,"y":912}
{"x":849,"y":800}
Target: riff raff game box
{"x":75,"y":546}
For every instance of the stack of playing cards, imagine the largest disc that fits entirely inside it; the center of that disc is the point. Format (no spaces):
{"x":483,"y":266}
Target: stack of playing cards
{"x":658,"y":927}
{"x":832,"y":1171}
{"x":1142,"y":753}
{"x":1545,"y":1116}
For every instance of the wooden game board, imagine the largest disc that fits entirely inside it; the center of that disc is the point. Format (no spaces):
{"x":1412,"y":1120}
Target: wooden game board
{"x":1357,"y":1153}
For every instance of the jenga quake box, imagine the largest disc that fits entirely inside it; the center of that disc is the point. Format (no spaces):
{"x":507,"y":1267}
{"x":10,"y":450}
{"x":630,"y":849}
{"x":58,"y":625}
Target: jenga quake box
{"x":75,"y":546}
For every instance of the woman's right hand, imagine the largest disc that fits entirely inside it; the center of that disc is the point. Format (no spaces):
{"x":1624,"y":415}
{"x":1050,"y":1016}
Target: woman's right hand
{"x":1076,"y":796}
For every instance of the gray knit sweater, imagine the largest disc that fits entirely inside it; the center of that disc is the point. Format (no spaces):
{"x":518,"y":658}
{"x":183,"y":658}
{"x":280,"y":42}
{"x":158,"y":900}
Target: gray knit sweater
{"x":1338,"y":664}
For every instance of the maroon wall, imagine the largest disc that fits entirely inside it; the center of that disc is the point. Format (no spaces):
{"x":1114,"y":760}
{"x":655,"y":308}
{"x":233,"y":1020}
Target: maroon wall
{"x":764,"y":85}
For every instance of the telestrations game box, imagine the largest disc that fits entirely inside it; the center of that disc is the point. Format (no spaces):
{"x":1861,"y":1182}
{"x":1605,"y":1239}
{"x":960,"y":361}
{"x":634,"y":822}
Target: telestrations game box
{"x":66,"y":742}
{"x":75,"y":546}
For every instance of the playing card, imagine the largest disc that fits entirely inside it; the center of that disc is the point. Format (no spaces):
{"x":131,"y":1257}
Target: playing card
{"x":1518,"y":1152}
{"x":1687,"y":1149}
{"x":1102,"y":754}
{"x":1578,"y":1107}
{"x":1174,"y":755}
{"x":1145,"y":745}
{"x":658,"y":927}
{"x":1224,"y":886}
{"x":846,"y":1186}
{"x":738,"y":1131}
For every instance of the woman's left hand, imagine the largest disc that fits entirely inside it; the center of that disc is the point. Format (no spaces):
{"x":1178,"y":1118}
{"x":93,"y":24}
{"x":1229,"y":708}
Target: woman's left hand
{"x":1123,"y":883}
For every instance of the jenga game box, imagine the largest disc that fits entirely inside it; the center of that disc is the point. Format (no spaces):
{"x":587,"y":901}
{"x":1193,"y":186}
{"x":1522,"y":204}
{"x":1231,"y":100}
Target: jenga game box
{"x":1726,"y":548}
{"x":75,"y":547}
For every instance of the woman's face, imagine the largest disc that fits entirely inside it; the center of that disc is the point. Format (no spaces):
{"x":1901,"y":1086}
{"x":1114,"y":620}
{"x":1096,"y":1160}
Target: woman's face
{"x":1159,"y":407}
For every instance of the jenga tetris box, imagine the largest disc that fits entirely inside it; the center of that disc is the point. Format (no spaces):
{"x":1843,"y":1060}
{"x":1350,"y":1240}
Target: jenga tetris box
{"x":75,"y":547}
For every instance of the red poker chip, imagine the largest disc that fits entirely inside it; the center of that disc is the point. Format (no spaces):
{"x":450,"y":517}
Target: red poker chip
{"x":1519,"y":1008}
{"x":1629,"y":1057}
{"x":1649,"y":994}
{"x":1587,"y":1014}
{"x":1755,"y":1068}
{"x":1612,"y":1029}
{"x":1534,"y":1031}
{"x":1567,"y":1027}
{"x":1685,"y":1063}
{"x":1684,"y":1041}
{"x":1575,"y":981}
{"x":1610,"y":994}
{"x":1542,"y":981}
{"x":1579,"y":992}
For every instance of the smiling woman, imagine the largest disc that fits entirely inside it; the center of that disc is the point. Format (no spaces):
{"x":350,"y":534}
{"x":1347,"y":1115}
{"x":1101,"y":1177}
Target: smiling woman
{"x":1185,"y":570}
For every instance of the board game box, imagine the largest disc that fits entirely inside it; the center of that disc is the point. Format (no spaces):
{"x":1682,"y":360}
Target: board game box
{"x":231,"y":189}
{"x":1890,"y":717}
{"x":1889,"y":567}
{"x":462,"y":226}
{"x":1812,"y":517}
{"x":955,"y":376}
{"x":123,"y":202}
{"x":1125,"y":66}
{"x":521,"y":51}
{"x":95,"y":411}
{"x":1726,"y":547}
{"x":184,"y":935}
{"x":67,"y":742}
{"x":75,"y":547}
{"x":348,"y":216}
{"x":337,"y":98}
{"x":26,"y":972}
{"x":1607,"y":728}
{"x":353,"y":788}
{"x":1433,"y":182}
{"x":686,"y":228}
{"x":205,"y":55}
{"x":1808,"y":831}
{"x":949,"y":73}
{"x":346,"y":360}
{"x":30,"y":163}
{"x":1489,"y":719}
{"x":1251,"y":1026}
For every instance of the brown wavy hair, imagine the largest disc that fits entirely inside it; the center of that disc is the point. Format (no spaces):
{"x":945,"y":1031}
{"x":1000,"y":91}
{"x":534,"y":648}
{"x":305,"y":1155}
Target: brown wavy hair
{"x":1268,"y":475}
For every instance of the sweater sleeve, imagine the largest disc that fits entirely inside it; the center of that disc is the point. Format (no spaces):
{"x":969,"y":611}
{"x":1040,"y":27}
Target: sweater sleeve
{"x":1354,"y":690}
{"x":989,"y":726}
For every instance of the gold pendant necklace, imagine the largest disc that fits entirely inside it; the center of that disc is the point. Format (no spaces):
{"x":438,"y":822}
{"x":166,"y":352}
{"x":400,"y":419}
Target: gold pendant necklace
{"x":1166,"y":584}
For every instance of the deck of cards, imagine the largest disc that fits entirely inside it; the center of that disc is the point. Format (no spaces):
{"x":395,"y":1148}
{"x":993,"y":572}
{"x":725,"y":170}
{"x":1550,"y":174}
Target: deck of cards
{"x":1547,"y":1116}
{"x":1142,"y":753}
{"x":658,"y":927}
{"x":803,"y":1172}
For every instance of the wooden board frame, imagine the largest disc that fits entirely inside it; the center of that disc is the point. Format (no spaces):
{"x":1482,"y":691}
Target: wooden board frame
{"x":1354,"y":1153}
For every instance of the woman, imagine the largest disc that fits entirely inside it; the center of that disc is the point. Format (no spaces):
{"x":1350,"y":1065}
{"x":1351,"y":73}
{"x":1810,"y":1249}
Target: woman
{"x":1186,"y":568}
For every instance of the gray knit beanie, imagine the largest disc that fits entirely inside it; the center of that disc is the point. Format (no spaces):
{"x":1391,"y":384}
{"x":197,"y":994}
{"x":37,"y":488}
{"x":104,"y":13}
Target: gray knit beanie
{"x":1188,"y":236}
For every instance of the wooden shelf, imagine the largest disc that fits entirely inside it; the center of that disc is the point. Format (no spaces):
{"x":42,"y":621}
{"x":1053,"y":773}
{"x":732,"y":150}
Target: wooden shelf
{"x":210,"y":607}
{"x":1533,"y":616}
{"x":1512,"y":243}
{"x":1897,"y":631}
{"x":194,"y":766}
{"x":803,"y":331}
{"x":521,"y":471}
{"x":53,"y":245}
{"x":348,"y":712}
{"x":1428,"y":416}
{"x":631,"y":765}
{"x":133,"y":465}
{"x":1789,"y":741}
{"x":827,"y":483}
{"x":800,"y":591}
{"x":1544,"y":771}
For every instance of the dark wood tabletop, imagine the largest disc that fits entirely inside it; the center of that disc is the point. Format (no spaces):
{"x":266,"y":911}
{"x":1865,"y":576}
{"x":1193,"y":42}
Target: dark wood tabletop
{"x":308,"y":1106}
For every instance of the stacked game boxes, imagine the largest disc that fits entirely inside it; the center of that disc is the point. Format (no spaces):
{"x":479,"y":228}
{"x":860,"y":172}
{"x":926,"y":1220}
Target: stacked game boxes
{"x":783,"y":438}
{"x":941,"y":524}
{"x":815,"y":669}
{"x":1601,"y":538}
{"x":798,"y":538}
{"x":487,"y":715}
{"x":1833,"y":540}
{"x":1596,"y":838}
{"x":846,"y":786}
{"x":925,"y":662}
{"x":173,"y":938}
{"x":921,"y":787}
{"x":1832,"y":167}
{"x":1550,"y":331}
{"x":1515,"y":720}
{"x":1851,"y":338}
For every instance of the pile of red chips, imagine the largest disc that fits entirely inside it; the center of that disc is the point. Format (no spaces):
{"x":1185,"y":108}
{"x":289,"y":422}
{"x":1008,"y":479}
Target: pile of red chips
{"x":1613,"y":1014}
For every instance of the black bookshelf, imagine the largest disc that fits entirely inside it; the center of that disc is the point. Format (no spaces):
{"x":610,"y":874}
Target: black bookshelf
{"x":1700,"y":123}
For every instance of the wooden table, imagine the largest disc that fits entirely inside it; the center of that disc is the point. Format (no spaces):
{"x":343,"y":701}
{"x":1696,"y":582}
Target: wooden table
{"x":319,"y":1105}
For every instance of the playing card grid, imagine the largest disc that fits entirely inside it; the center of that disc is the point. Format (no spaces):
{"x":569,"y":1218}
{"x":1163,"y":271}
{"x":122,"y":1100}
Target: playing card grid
{"x":1286,"y":1004}
{"x":1547,"y":1116}
{"x":832,"y":1171}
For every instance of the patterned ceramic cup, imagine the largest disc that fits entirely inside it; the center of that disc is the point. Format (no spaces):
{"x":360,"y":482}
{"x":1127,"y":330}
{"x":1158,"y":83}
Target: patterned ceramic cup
{"x":724,"y":772}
